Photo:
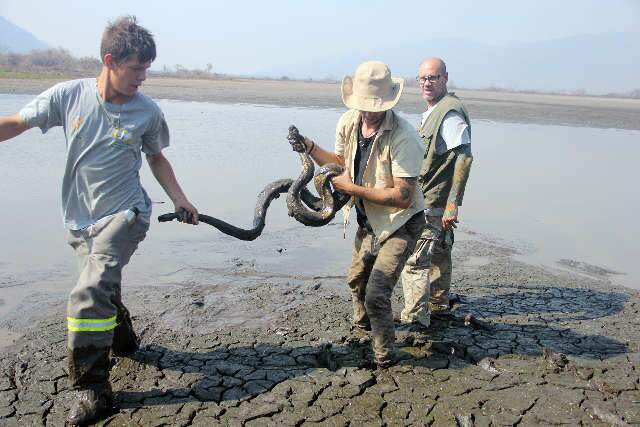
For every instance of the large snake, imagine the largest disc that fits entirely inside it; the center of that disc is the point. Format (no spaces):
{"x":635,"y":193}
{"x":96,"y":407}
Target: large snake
{"x":301,"y":203}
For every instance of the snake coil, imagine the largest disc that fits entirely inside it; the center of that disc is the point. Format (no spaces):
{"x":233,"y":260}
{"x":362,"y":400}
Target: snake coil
{"x":301,"y":203}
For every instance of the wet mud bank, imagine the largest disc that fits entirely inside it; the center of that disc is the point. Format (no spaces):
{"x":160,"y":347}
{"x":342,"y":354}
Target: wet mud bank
{"x":524,"y":345}
{"x":512,"y":107}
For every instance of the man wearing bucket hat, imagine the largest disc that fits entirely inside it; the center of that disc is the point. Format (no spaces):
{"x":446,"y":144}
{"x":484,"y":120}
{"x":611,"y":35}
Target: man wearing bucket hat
{"x":446,"y":132}
{"x":382,"y":157}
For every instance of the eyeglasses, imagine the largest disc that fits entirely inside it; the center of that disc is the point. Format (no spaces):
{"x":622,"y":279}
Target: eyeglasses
{"x":430,"y":78}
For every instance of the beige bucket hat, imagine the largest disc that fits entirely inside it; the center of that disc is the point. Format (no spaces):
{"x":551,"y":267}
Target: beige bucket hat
{"x":371,"y":88}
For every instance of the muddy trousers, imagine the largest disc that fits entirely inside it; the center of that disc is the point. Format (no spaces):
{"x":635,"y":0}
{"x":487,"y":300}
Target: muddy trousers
{"x":426,"y":280}
{"x":96,"y":317}
{"x":375,"y":269}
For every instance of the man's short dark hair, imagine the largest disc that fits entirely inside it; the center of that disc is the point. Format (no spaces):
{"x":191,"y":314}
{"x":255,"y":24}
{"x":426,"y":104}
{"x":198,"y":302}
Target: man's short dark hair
{"x":124,"y":39}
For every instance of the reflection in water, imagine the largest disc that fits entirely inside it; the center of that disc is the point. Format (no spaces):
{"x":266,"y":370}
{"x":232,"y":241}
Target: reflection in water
{"x":565,"y":191}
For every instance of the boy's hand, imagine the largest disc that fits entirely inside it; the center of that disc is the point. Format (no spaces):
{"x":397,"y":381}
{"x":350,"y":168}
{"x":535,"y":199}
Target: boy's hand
{"x":189,"y":213}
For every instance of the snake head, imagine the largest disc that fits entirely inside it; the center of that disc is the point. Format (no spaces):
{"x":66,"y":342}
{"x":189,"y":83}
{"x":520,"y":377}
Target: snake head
{"x":296,"y":140}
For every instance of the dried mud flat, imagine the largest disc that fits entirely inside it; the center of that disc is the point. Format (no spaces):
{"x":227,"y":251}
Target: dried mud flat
{"x":547,"y":109}
{"x":239,"y":346}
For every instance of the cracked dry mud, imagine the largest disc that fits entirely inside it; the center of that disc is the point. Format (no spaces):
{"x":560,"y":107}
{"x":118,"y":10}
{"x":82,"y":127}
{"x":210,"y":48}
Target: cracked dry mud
{"x":545,"y":348}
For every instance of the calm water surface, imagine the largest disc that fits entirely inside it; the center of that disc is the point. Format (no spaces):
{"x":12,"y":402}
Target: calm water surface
{"x":559,"y":192}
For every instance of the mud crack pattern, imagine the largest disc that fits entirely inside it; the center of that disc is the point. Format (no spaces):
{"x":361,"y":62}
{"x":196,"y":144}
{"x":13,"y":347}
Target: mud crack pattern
{"x":546,"y":347}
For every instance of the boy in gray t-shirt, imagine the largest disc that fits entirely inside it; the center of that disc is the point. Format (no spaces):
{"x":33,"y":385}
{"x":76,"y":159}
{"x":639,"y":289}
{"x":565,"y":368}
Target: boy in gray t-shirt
{"x":101,"y":174}
{"x":108,"y":124}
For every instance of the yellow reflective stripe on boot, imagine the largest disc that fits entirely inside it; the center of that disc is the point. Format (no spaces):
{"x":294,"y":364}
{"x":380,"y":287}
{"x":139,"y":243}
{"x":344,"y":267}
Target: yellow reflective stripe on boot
{"x":91,"y":325}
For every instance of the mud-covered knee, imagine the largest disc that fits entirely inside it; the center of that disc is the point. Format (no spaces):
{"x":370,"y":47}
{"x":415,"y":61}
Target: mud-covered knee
{"x":376,"y":302}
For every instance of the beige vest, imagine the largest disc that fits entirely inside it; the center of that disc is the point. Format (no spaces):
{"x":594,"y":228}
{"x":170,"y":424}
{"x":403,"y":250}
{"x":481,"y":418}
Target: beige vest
{"x":396,"y":152}
{"x":436,"y":175}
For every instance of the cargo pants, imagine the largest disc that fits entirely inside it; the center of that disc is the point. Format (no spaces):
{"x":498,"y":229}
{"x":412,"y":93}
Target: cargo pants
{"x":426,"y":280}
{"x":375,"y":269}
{"x":95,"y":309}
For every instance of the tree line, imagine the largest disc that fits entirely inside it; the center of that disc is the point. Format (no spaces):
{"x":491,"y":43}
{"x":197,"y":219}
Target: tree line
{"x":49,"y":61}
{"x":60,"y":61}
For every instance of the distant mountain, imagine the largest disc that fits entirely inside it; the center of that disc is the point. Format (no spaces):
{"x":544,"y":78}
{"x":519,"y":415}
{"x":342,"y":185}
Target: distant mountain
{"x":15,"y":39}
{"x":600,"y":63}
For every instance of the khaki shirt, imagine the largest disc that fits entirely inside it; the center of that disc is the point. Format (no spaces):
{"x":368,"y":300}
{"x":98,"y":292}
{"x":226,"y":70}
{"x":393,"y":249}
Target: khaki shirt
{"x":396,"y":152}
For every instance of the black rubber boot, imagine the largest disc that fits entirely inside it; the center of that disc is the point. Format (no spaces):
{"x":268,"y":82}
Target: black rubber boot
{"x":89,"y":376}
{"x":125,"y":340}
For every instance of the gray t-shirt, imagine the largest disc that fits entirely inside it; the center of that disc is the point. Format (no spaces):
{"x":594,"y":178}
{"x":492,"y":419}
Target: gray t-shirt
{"x":101,"y":176}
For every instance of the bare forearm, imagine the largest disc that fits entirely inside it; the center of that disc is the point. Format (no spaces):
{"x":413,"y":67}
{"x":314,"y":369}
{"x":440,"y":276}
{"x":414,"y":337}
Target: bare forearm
{"x":381,"y":196}
{"x":398,"y":196}
{"x":460,"y":175}
{"x":461,"y":171}
{"x":320,"y":155}
{"x":11,"y":126}
{"x":163,"y":172}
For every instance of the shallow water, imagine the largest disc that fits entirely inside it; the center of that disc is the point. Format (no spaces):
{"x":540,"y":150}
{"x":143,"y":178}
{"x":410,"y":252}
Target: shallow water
{"x":560,"y":192}
{"x":555,"y":192}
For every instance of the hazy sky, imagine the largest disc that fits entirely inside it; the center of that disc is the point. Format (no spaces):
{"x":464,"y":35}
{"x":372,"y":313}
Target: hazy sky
{"x":245,"y":37}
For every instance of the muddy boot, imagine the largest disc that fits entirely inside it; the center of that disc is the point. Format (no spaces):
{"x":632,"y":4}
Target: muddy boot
{"x":89,"y":376}
{"x":89,"y":404}
{"x":125,"y":340}
{"x":439,"y":309}
{"x":360,"y":317}
{"x":362,"y":326}
{"x":394,"y":358}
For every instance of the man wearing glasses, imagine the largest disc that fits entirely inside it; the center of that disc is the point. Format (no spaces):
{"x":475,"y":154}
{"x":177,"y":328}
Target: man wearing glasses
{"x":446,"y":132}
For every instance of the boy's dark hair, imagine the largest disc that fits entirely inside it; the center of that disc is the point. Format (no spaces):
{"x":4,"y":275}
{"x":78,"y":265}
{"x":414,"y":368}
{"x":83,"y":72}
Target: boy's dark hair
{"x":124,"y":38}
